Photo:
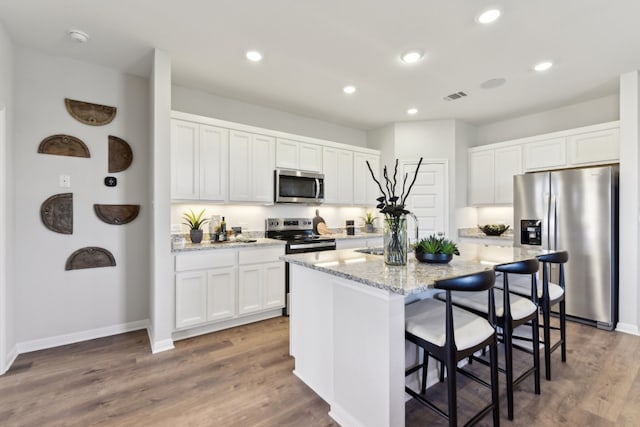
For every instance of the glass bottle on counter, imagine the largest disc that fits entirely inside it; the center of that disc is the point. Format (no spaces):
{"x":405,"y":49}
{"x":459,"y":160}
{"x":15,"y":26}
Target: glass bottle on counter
{"x":222,"y":236}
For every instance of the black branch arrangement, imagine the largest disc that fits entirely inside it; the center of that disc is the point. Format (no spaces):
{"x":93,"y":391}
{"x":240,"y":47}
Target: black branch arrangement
{"x":390,"y":204}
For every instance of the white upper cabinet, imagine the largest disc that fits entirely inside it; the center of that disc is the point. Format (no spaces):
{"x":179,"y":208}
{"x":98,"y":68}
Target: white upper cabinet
{"x":481,"y":181}
{"x":491,"y":174}
{"x":594,"y":147}
{"x":185,"y":181}
{"x":586,"y":146}
{"x":545,"y":154}
{"x":365,"y":190}
{"x":252,"y":162}
{"x":298,"y":155}
{"x":198,"y":161}
{"x":507,"y":163}
{"x":338,"y":175}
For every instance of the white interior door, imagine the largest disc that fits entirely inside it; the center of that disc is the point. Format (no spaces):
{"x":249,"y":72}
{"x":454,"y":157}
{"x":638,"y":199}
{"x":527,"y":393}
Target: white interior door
{"x":428,"y":198}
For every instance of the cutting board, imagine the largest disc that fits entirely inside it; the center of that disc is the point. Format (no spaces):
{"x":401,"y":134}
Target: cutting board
{"x":317,"y":220}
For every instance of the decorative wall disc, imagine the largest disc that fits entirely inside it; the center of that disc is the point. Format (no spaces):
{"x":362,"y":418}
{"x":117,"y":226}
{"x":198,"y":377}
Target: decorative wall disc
{"x":117,"y":214}
{"x":90,"y":257}
{"x":64,"y":145}
{"x":120,"y":154}
{"x":90,"y":114}
{"x":57,"y":213}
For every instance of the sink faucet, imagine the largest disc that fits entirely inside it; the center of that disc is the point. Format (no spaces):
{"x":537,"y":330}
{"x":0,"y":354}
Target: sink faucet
{"x":415,"y":221}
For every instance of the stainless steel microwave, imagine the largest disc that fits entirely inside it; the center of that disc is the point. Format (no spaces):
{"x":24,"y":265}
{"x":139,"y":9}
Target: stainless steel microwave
{"x":293,"y":186}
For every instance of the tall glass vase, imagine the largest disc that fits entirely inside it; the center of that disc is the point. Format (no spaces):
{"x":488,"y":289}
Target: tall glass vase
{"x":395,"y":240}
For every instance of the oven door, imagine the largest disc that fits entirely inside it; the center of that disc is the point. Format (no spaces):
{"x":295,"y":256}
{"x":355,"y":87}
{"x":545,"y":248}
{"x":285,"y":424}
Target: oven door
{"x":298,"y":187}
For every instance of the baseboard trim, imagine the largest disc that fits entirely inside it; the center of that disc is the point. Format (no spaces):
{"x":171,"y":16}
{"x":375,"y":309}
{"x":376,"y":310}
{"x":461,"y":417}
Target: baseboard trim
{"x":628,"y":328}
{"x":182,"y":334}
{"x":44,"y":343}
{"x":11,"y":357}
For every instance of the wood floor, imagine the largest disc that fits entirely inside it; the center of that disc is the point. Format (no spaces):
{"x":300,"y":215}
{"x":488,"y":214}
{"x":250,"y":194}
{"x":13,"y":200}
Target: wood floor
{"x":242,"y":377}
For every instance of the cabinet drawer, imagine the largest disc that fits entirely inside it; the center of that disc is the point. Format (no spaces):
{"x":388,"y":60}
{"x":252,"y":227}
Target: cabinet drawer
{"x":205,"y":260}
{"x":259,"y":256}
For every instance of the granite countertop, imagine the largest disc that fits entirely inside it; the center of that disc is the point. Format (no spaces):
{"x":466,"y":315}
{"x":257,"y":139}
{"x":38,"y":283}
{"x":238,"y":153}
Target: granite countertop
{"x":342,"y":236}
{"x":208,"y":245}
{"x":415,"y":277}
{"x":475,"y":233}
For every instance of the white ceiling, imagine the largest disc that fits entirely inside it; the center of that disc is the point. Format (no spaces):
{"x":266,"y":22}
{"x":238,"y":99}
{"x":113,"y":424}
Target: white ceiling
{"x":313,"y":48}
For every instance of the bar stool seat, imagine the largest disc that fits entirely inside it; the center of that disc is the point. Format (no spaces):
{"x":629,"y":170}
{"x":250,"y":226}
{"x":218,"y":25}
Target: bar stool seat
{"x":427,"y":319}
{"x":524,"y":289}
{"x":521,"y":307}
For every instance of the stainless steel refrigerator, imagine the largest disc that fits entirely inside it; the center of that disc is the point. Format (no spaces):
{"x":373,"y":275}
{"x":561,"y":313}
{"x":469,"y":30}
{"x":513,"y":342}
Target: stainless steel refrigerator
{"x":575,"y":210}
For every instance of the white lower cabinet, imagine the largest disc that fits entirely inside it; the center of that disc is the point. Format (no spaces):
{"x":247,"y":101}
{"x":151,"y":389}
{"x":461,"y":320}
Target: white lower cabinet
{"x":191,"y":298}
{"x":260,"y":281}
{"x":224,"y":285}
{"x":221,"y":293}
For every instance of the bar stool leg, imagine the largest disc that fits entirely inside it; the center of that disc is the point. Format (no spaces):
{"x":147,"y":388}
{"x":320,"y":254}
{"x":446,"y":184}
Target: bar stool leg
{"x":546,"y":330}
{"x":508,"y":360}
{"x":536,"y":354}
{"x":495,"y":393}
{"x":451,"y":387}
{"x":563,"y":326}
{"x":425,"y":366}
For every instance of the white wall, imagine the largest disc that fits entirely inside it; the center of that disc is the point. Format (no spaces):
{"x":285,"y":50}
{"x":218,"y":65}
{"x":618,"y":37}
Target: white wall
{"x":53,"y":305}
{"x":209,"y":105}
{"x":432,"y":140}
{"x":629,"y":300}
{"x":383,"y":139}
{"x":592,"y":112}
{"x":7,"y":306}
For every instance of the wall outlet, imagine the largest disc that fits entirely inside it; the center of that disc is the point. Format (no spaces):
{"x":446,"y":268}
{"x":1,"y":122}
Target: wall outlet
{"x":64,"y":181}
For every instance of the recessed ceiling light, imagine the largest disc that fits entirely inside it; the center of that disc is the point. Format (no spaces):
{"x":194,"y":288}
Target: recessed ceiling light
{"x":488,"y":16}
{"x":254,"y":56}
{"x":412,"y":111}
{"x":349,"y":89}
{"x":78,"y":35}
{"x":543,"y":66}
{"x":411,"y":56}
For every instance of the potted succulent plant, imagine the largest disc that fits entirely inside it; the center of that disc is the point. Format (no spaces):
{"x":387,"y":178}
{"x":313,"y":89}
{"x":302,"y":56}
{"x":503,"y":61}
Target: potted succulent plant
{"x":368,"y":222}
{"x":435,"y":250}
{"x":194,"y":222}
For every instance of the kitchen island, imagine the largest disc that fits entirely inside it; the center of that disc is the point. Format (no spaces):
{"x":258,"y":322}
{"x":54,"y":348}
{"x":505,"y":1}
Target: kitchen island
{"x":347,"y":324}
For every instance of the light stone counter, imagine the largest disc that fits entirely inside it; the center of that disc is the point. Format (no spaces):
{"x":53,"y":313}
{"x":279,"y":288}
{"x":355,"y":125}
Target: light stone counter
{"x":475,"y":233}
{"x":207,"y":245}
{"x":416,"y":276}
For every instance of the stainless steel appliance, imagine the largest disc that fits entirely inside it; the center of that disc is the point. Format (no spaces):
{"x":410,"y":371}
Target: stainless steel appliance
{"x":575,"y":210}
{"x":300,"y":238}
{"x":293,"y":186}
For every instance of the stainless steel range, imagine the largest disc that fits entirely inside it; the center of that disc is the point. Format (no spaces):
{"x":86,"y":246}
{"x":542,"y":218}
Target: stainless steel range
{"x":298,"y":232}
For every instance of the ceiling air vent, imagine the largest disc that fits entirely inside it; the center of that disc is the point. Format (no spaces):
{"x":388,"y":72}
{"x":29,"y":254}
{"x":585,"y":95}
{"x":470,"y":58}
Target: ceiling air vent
{"x":454,"y":96}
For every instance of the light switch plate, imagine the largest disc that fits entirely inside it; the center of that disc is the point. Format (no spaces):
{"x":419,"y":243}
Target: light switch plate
{"x":64,"y":181}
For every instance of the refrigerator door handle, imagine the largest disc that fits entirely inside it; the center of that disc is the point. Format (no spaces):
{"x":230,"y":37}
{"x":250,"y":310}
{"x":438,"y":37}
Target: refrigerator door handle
{"x":553,"y":223}
{"x":545,"y":221}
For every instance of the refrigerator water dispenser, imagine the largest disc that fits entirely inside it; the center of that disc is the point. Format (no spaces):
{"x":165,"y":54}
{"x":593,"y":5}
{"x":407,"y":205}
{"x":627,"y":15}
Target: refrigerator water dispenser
{"x":531,"y":232}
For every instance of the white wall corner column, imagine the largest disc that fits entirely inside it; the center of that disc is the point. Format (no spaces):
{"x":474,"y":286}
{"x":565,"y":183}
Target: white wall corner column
{"x":162,"y":299}
{"x":629,"y":294}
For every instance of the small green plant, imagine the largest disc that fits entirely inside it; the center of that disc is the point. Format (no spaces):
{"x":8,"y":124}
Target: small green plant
{"x":193,"y":221}
{"x":437,"y":245}
{"x":369,"y":218}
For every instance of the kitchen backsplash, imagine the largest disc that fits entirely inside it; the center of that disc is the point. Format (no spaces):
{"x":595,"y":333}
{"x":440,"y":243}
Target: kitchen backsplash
{"x":251,"y":218}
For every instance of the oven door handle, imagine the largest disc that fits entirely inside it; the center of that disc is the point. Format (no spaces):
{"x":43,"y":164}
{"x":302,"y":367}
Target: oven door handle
{"x":313,"y":245}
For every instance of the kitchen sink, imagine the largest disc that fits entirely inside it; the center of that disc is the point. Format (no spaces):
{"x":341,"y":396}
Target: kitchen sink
{"x":371,"y":251}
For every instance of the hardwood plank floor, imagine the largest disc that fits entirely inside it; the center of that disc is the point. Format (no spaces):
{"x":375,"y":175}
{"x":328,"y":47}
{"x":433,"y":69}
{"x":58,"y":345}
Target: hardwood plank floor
{"x":242,"y":377}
